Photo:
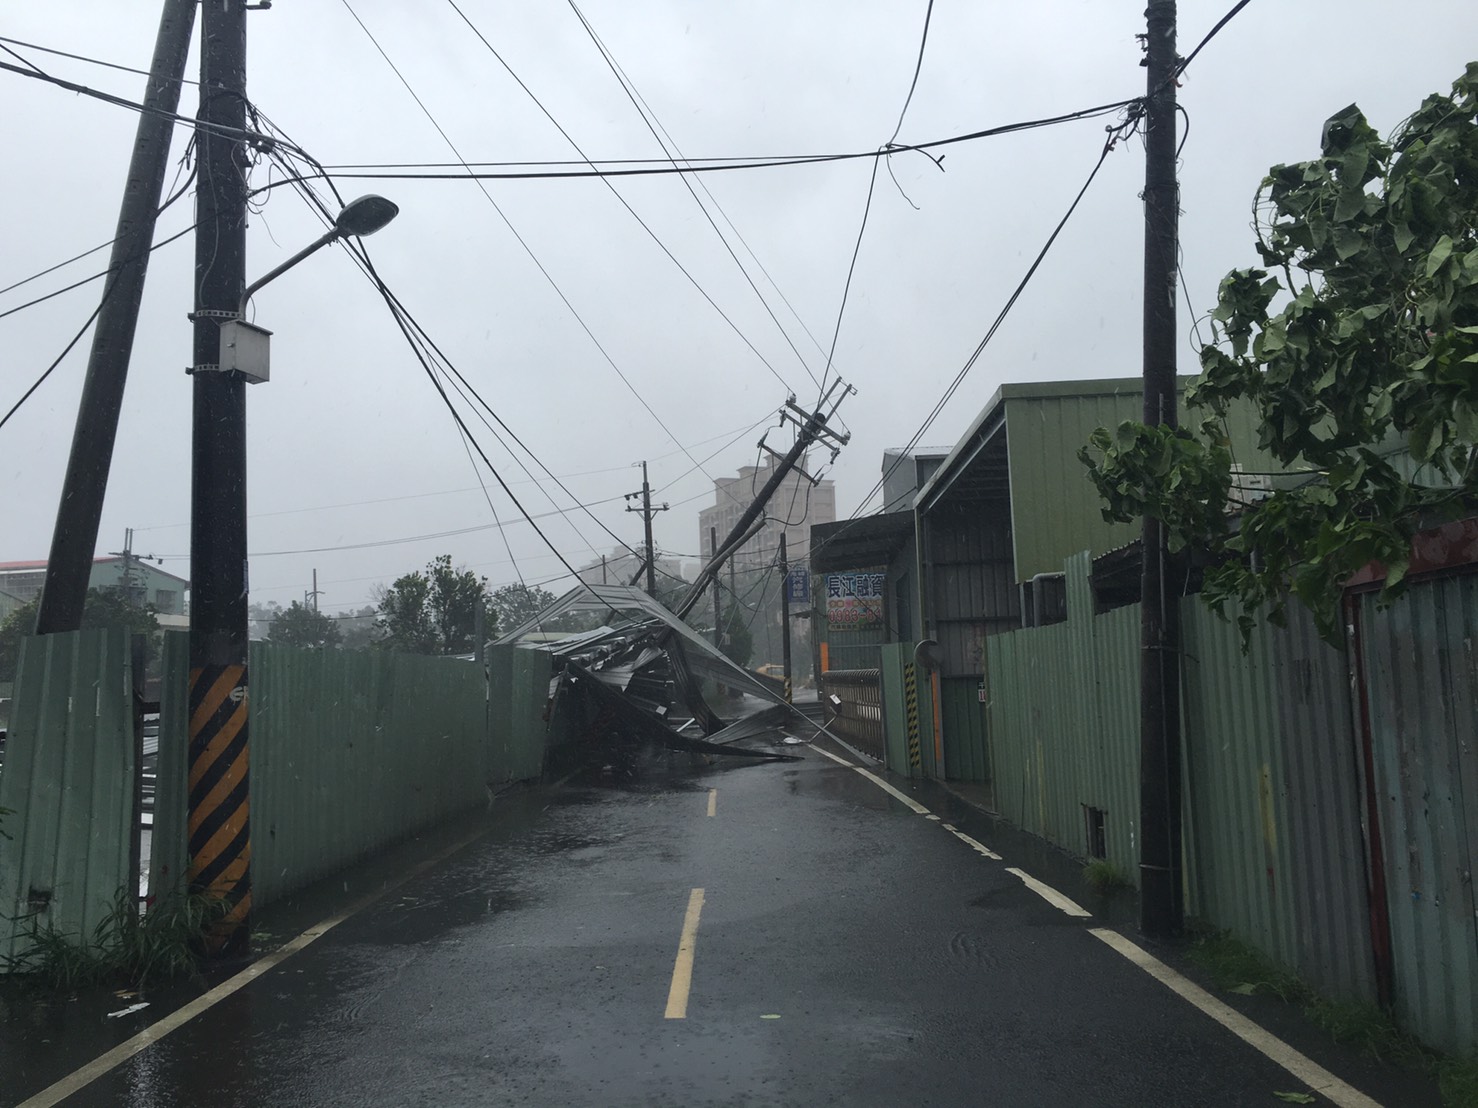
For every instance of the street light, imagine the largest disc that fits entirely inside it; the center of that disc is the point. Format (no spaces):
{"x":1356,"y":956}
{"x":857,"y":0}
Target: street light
{"x":245,"y":347}
{"x":228,"y":353}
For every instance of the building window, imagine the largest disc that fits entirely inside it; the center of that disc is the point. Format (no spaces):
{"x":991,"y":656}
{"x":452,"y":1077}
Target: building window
{"x":167,"y":600}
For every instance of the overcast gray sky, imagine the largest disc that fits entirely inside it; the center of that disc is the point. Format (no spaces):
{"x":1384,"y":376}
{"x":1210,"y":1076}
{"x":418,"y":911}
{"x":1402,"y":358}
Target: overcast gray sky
{"x":350,"y":446}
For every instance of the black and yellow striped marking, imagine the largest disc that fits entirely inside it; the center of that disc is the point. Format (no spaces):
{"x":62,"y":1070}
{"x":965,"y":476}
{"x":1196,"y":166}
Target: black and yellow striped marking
{"x":911,"y":707}
{"x":220,"y":830}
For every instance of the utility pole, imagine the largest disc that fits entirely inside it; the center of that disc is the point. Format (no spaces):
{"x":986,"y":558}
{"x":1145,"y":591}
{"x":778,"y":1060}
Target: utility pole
{"x":1162,"y":909}
{"x":75,"y":536}
{"x":315,"y":594}
{"x":785,"y":619}
{"x":647,"y":512}
{"x":812,"y":426}
{"x":219,"y":827}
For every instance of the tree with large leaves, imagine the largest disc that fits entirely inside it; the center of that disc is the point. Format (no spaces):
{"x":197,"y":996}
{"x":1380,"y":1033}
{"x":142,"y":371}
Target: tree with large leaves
{"x":1356,"y":348}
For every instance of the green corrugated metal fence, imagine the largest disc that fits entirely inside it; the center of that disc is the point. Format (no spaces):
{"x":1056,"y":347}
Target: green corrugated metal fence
{"x":351,"y":750}
{"x":908,"y":712}
{"x":1274,"y":847}
{"x":69,"y":777}
{"x":518,"y":682}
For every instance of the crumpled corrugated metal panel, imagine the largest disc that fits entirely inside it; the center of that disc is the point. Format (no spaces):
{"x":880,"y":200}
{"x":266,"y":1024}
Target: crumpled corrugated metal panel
{"x":69,"y":778}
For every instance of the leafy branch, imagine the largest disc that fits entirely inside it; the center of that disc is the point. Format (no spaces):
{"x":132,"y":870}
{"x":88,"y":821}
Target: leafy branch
{"x":1355,"y":349}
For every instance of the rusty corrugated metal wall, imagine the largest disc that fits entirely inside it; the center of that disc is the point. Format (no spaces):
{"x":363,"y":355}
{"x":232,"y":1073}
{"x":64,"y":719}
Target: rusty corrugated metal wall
{"x":1421,"y":683}
{"x":69,"y":777}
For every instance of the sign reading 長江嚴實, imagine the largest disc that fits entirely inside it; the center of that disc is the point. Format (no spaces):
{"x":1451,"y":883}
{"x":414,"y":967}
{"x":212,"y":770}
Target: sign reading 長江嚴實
{"x":854,"y":600}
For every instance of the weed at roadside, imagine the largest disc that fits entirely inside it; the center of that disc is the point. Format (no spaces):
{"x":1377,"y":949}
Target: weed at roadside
{"x":126,"y":946}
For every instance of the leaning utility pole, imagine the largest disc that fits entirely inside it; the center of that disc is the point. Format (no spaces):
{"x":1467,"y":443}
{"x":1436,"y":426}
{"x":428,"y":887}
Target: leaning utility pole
{"x":1161,"y":911}
{"x":75,"y":536}
{"x":647,"y":512}
{"x":219,"y":828}
{"x":812,"y":426}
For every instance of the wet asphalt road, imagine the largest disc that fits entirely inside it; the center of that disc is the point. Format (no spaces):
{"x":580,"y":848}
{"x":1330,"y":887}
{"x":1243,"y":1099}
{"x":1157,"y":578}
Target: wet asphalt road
{"x":849,"y":951}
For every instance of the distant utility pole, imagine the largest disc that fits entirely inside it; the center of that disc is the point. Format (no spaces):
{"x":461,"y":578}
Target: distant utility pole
{"x":1162,"y":909}
{"x":126,"y":554}
{"x":219,"y":827}
{"x":75,"y":536}
{"x":785,"y":619}
{"x":647,"y":512}
{"x":315,"y":594}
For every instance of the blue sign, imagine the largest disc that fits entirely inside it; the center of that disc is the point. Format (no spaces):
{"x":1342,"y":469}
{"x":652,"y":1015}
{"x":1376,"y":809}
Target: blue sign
{"x":798,"y":586}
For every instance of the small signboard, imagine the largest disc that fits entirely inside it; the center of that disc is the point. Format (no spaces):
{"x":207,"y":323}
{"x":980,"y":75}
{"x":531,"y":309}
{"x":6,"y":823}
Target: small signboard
{"x":854,"y":600}
{"x":798,"y":586}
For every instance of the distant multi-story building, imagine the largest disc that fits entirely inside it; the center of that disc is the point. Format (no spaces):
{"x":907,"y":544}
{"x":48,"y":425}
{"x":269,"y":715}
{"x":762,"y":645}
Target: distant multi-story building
{"x":143,"y":583}
{"x":795,"y":506}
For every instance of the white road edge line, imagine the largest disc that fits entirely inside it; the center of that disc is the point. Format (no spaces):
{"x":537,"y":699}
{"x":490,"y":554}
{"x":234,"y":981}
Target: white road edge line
{"x":833,"y":757}
{"x":978,"y":847}
{"x":1315,"y":1076}
{"x":80,"y":1078}
{"x":902,"y":798}
{"x":1050,"y":895}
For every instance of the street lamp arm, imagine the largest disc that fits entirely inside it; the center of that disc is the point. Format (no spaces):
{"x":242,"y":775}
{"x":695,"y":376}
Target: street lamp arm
{"x":318,"y":244}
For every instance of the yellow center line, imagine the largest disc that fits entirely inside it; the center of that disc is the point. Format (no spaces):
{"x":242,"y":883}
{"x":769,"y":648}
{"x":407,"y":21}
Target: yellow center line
{"x":682,"y":969}
{"x":713,"y":802}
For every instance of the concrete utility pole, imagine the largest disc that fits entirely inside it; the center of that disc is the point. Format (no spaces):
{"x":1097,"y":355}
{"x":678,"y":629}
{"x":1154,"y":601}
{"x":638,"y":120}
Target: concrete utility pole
{"x":812,"y":426}
{"x":647,"y":512}
{"x":75,"y":536}
{"x":219,"y":825}
{"x":315,"y":594}
{"x":1162,"y":909}
{"x":785,"y":619}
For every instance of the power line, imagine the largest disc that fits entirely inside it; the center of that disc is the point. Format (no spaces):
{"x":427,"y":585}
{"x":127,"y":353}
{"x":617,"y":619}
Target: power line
{"x":694,"y":165}
{"x":102,"y":273}
{"x":38,"y":74}
{"x":626,"y":86}
{"x":872,"y":181}
{"x":918,"y":67}
{"x":1180,"y":66}
{"x":421,"y":345}
{"x":1116,"y":134}
{"x":507,"y":223}
{"x":85,"y":280}
{"x":85,"y":58}
{"x":626,"y":204}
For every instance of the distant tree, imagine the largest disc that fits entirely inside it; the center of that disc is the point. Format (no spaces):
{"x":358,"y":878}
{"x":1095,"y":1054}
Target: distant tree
{"x":300,"y":625}
{"x":434,"y":612}
{"x":517,"y":604}
{"x":101,"y":608}
{"x":359,"y":628}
